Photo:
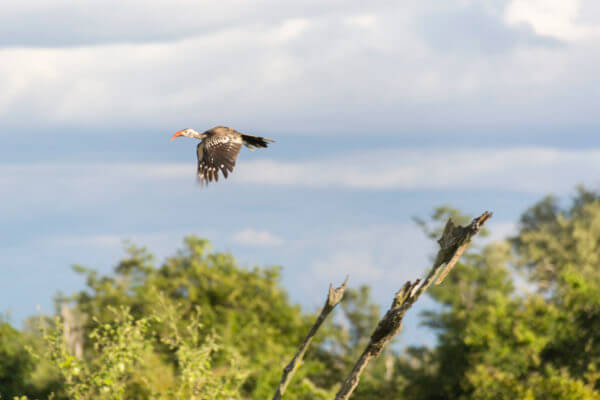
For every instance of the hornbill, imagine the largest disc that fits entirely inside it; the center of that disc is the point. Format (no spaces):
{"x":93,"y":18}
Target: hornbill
{"x":219,"y":148}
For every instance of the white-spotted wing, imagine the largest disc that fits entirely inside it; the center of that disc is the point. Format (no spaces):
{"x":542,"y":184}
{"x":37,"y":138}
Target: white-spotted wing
{"x":217,"y":153}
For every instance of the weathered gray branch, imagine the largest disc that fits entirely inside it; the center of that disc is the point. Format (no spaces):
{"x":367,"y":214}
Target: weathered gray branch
{"x":454,"y":241}
{"x":333,"y":298}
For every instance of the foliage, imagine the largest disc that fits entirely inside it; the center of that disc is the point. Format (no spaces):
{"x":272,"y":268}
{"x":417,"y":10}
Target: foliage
{"x":16,"y":363}
{"x":119,"y":351}
{"x":198,"y":318}
{"x":118,"y":347}
{"x":516,"y":319}
{"x":537,"y":340}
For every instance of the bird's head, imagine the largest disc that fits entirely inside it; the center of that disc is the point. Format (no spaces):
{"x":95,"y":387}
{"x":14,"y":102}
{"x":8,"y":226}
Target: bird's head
{"x":189,"y":132}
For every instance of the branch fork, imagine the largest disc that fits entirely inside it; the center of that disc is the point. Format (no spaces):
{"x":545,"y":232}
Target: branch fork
{"x":454,"y":241}
{"x":334,"y":297}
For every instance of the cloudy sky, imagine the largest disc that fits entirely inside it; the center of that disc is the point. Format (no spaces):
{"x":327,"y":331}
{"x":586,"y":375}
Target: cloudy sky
{"x":381,"y":110}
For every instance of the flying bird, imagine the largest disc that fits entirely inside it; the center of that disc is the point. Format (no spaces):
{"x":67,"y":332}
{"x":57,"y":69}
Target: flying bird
{"x":219,"y":148}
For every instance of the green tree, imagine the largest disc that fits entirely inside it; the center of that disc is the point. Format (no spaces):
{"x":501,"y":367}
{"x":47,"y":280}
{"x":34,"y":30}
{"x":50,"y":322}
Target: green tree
{"x":247,"y":309}
{"x":516,"y":319}
{"x":16,"y":363}
{"x":538,"y":341}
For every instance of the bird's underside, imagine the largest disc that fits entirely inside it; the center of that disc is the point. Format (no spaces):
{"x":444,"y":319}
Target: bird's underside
{"x":218,"y":151}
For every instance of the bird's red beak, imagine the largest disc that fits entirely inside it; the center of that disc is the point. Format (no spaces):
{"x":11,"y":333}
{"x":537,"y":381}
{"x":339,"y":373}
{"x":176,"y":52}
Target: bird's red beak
{"x":176,"y":135}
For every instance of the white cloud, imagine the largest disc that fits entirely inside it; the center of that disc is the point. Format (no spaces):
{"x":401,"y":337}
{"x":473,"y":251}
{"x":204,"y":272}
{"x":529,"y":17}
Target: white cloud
{"x":71,"y":186}
{"x":362,"y":20}
{"x":257,"y":238}
{"x":307,"y":67}
{"x":68,"y":23}
{"x":291,"y":29}
{"x":556,"y":18}
{"x":533,"y":170}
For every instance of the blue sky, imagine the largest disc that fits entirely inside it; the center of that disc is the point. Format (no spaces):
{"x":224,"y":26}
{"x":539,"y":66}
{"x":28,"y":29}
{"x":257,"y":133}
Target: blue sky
{"x":381,"y":111}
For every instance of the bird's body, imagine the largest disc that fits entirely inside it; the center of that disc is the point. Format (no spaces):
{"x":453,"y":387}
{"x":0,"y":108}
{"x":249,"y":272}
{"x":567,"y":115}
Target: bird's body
{"x":219,"y":148}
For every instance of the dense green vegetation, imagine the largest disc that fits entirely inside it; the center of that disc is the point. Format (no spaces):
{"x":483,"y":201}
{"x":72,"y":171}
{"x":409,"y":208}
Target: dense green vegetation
{"x":518,"y":319}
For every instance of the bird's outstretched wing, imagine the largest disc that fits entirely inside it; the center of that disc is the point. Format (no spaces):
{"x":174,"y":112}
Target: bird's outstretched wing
{"x":217,"y":153}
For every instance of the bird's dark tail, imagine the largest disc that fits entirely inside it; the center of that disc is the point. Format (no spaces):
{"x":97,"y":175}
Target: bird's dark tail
{"x":255,"y":141}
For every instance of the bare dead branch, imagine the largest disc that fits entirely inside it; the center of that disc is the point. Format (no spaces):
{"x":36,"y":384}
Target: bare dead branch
{"x":454,"y":241}
{"x":333,"y":298}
